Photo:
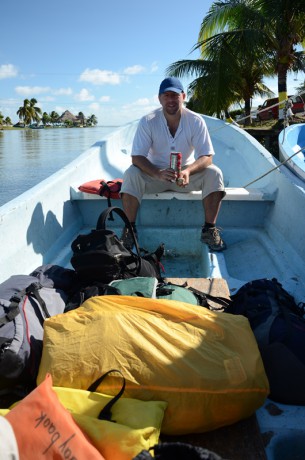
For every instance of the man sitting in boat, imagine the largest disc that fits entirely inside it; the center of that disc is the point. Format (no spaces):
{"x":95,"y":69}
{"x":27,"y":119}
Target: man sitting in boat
{"x":173,"y":128}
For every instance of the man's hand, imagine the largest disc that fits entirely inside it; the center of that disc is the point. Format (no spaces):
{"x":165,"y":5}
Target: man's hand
{"x":184,"y":178}
{"x":167,"y":175}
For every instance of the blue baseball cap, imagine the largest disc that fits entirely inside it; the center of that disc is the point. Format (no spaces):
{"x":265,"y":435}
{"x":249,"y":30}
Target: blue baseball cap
{"x":171,"y":84}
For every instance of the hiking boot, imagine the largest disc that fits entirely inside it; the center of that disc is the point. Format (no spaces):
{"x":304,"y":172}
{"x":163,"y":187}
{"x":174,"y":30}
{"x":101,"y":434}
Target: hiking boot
{"x":127,"y":238}
{"x":211,"y":237}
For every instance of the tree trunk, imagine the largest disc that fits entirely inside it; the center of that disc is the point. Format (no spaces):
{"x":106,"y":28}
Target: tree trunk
{"x":248,"y":120}
{"x":282,"y":88}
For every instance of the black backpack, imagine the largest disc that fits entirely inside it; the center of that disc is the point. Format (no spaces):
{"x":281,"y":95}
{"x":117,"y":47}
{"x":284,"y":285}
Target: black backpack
{"x":279,"y":327}
{"x":101,"y":256}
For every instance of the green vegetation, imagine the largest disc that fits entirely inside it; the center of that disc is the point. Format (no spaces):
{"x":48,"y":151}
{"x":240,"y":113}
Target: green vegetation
{"x":5,"y":121}
{"x":240,"y":43}
{"x":30,"y":114}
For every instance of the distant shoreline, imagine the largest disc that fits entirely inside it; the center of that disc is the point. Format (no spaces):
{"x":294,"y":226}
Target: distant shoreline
{"x":17,"y":128}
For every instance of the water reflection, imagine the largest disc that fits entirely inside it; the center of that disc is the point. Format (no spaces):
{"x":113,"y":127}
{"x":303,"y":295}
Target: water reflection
{"x":27,"y":156}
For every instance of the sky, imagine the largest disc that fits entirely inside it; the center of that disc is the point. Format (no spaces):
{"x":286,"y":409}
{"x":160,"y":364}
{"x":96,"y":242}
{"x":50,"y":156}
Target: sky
{"x":104,"y":57}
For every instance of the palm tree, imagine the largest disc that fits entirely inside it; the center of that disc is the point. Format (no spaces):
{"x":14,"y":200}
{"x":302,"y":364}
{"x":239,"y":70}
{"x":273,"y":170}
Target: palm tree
{"x":54,"y":117}
{"x":68,"y":123}
{"x":8,"y":121}
{"x":45,"y":118}
{"x":23,"y":111}
{"x":92,"y":120}
{"x":229,"y":73}
{"x":301,"y":88}
{"x":29,"y":111}
{"x":273,"y":28}
{"x":35,"y":110}
{"x":82,"y":118}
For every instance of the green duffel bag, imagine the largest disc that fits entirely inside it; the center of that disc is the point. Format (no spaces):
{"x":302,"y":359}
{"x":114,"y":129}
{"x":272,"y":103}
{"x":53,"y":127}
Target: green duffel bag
{"x":150,"y":288}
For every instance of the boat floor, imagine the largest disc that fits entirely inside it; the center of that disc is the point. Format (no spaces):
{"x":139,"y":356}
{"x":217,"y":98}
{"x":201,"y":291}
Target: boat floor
{"x":250,"y":255}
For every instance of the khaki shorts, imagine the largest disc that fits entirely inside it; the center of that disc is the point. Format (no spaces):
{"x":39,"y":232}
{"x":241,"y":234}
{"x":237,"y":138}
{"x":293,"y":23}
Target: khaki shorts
{"x":136,"y":183}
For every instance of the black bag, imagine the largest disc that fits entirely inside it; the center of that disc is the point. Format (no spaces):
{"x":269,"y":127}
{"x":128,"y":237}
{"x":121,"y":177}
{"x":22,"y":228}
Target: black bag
{"x":177,"y":451}
{"x":279,"y":327}
{"x":101,"y":256}
{"x":86,"y":292}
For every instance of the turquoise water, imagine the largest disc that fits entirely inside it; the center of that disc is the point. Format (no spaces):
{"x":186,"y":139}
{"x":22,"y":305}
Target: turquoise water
{"x":28,"y":156}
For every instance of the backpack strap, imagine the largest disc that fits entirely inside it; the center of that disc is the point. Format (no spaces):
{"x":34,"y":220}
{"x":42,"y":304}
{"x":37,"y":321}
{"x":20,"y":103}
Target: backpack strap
{"x":101,"y":224}
{"x":105,"y":413}
{"x":33,"y":291}
{"x":203,"y":296}
{"x":14,"y":310}
{"x":105,"y":191}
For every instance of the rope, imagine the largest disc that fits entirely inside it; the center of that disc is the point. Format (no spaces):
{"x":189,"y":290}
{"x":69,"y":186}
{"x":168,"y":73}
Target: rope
{"x":276,"y":167}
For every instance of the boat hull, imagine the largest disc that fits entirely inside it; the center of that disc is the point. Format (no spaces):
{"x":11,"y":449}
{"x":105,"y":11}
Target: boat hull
{"x":292,"y":148}
{"x":39,"y":226}
{"x":262,"y":217}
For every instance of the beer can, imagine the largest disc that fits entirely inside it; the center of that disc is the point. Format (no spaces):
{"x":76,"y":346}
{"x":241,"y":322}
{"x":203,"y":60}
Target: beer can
{"x":175,"y":161}
{"x":176,"y":164}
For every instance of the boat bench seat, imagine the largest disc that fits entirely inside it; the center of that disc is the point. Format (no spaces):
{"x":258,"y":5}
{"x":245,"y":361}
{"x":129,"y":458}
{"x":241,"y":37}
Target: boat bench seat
{"x":232,"y":194}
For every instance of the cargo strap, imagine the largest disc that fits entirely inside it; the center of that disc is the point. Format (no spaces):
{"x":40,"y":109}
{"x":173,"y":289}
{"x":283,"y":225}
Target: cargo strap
{"x":202,"y":297}
{"x":14,"y":310}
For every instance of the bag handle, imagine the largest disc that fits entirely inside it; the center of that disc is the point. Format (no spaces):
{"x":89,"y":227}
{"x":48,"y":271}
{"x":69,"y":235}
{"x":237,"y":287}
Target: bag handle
{"x":105,"y":413}
{"x":101,"y":223}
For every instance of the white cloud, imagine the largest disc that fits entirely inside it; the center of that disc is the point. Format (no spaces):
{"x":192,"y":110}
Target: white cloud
{"x":32,"y":90}
{"x":104,"y":99}
{"x":94,"y":106}
{"x":46,"y":99}
{"x":140,"y":107}
{"x":100,"y":77}
{"x":84,"y":95}
{"x":60,"y":109}
{"x":145,"y":103}
{"x":133,"y":70}
{"x":154,"y":67}
{"x":8,"y":71}
{"x":63,"y":92}
{"x":140,"y":102}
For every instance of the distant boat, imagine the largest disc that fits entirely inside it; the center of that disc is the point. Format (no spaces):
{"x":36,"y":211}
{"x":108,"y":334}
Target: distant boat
{"x":292,"y":148}
{"x":35,"y":126}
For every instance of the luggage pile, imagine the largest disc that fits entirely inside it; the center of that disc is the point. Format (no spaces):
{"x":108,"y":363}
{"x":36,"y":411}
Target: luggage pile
{"x":122,"y":345}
